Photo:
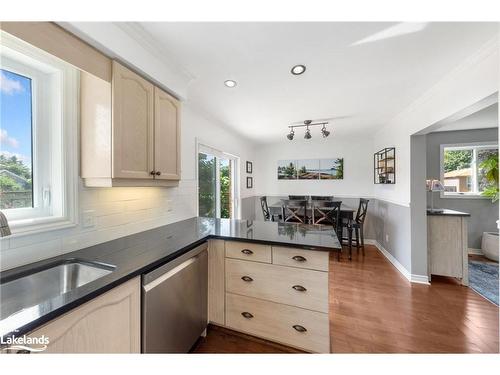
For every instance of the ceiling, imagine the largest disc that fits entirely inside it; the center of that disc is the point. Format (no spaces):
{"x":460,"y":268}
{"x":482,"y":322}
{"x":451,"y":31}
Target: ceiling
{"x":361,"y":73}
{"x":485,"y":118}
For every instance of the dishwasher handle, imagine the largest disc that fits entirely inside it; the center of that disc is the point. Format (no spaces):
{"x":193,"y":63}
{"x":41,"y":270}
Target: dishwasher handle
{"x":170,"y":273}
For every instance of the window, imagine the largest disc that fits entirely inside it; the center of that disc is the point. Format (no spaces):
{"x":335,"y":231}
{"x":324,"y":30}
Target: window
{"x":38,"y":126}
{"x":217,"y":183}
{"x":461,"y":168}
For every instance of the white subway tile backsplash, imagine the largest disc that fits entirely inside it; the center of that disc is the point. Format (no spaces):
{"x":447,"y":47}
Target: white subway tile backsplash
{"x":117,"y":212}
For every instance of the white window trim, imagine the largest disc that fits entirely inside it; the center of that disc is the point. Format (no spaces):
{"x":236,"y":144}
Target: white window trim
{"x":452,"y":195}
{"x":63,"y":143}
{"x":204,"y":148}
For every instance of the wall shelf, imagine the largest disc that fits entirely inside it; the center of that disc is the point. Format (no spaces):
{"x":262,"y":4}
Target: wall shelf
{"x":384,"y":166}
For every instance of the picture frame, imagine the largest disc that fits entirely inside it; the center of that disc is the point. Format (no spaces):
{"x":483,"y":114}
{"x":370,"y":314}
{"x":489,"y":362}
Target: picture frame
{"x":249,"y":167}
{"x":249,"y":182}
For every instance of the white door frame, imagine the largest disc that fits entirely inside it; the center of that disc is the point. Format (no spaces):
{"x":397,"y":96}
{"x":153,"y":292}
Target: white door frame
{"x":203,"y":147}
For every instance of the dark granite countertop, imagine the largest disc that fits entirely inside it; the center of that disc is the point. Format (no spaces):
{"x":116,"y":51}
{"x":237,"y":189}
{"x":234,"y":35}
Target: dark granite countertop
{"x":446,"y":212}
{"x":139,"y":253}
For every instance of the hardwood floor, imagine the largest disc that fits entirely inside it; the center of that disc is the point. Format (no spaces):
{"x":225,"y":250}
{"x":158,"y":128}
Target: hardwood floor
{"x":222,"y":340}
{"x":374,"y":309}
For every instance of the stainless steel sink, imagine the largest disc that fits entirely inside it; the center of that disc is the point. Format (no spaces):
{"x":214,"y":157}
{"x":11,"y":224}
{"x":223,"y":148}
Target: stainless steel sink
{"x":49,"y":282}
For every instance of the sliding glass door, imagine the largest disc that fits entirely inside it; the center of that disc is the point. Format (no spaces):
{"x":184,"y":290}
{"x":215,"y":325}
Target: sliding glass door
{"x":217,"y":184}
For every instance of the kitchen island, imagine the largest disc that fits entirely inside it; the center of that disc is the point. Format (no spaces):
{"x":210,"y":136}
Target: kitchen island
{"x":134,"y":255}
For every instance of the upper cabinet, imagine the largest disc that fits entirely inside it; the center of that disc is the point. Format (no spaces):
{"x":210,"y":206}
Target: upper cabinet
{"x":130,"y":131}
{"x":133,"y":124}
{"x":167,"y":161}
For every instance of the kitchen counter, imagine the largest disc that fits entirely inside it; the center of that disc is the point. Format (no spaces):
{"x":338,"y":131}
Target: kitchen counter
{"x":446,"y":212}
{"x":139,"y":253}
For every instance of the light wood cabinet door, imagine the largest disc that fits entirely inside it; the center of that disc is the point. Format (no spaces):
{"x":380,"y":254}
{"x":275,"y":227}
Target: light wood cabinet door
{"x":133,"y":131}
{"x":286,"y":324}
{"x":110,"y":323}
{"x":166,"y":136}
{"x":216,"y":285}
{"x":303,"y":288}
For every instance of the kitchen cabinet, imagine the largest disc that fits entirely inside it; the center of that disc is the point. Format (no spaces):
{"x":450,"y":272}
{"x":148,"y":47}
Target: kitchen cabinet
{"x":109,"y":323}
{"x":276,"y":293}
{"x":130,"y":131}
{"x":447,"y":245}
{"x":216,"y":286}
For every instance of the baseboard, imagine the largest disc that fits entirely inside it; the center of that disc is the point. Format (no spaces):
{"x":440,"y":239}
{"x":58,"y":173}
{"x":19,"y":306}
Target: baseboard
{"x":419,"y":279}
{"x":472,"y":251}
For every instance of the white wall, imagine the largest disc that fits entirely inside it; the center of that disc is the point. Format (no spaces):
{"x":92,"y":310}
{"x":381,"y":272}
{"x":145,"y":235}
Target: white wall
{"x":358,"y":166}
{"x":198,"y":127}
{"x":473,"y":80}
{"x":122,"y":211}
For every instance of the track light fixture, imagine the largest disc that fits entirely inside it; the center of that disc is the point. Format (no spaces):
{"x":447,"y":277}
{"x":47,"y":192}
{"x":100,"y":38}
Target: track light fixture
{"x":325,"y":132}
{"x":307,"y":124}
{"x":307,"y":135}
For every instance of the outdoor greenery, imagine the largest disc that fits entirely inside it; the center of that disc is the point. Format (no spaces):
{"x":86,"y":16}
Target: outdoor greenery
{"x":15,"y":192}
{"x":489,"y":168}
{"x":457,"y":159}
{"x":206,"y":173}
{"x":225,"y":192}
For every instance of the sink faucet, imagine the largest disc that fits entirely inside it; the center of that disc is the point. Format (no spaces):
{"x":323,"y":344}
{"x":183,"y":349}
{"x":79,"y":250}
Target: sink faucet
{"x":4,"y":226}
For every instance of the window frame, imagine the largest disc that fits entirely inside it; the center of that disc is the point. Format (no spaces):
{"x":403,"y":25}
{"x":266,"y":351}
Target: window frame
{"x":55,"y":85}
{"x":235,"y":165}
{"x":464,"y":146}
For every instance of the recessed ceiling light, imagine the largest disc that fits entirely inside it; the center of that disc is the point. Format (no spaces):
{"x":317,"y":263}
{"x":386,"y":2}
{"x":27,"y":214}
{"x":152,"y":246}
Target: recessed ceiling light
{"x":298,"y":70}
{"x":230,"y":83}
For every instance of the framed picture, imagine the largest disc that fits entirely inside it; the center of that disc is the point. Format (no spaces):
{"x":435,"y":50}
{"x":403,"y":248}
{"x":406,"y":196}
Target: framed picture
{"x":249,"y":167}
{"x":249,"y":182}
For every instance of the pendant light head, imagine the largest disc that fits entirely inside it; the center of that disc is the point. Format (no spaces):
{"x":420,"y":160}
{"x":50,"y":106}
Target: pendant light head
{"x":307,"y":135}
{"x":325,"y":132}
{"x":290,"y":135}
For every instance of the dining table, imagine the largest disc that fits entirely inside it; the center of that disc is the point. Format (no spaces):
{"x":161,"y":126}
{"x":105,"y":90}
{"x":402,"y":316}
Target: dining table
{"x":346,"y":213}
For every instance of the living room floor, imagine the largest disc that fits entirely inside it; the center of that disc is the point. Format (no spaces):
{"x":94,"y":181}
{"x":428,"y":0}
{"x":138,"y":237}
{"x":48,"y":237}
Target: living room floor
{"x":374,"y":309}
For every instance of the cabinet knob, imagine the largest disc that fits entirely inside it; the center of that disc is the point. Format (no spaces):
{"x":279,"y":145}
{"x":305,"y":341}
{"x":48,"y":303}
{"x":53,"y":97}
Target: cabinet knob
{"x":152,"y":173}
{"x":158,"y":173}
{"x":299,"y":288}
{"x":299,"y":258}
{"x":299,"y":328}
{"x":247,"y":251}
{"x":247,"y":279}
{"x":247,"y":315}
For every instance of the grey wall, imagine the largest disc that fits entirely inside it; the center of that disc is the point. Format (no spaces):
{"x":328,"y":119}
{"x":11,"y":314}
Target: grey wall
{"x":418,"y":214}
{"x":484,"y":214}
{"x":391,"y":226}
{"x":248,"y":211}
{"x":386,"y":222}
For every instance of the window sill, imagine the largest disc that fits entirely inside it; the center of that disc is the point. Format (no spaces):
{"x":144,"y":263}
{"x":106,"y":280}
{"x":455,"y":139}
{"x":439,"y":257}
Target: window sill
{"x":463,"y":196}
{"x":35,"y":226}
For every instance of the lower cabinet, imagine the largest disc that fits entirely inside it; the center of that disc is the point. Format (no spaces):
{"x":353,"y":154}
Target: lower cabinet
{"x":110,"y":323}
{"x":285,"y":324}
{"x":276,"y":293}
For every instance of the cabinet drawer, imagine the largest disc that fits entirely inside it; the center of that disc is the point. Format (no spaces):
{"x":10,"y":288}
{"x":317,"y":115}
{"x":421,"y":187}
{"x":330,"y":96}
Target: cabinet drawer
{"x":276,"y":322}
{"x":311,"y":259}
{"x":293,"y":286}
{"x":248,"y":251}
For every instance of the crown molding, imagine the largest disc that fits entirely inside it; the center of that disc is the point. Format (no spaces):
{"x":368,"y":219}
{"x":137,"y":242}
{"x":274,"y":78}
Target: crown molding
{"x":153,"y":46}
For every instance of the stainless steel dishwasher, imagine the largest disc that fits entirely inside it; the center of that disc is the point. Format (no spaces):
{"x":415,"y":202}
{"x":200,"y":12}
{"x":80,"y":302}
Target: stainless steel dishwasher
{"x":174,"y":303}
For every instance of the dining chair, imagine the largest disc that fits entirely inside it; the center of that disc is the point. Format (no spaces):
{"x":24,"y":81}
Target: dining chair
{"x":294,"y":210}
{"x":357,"y":225}
{"x":266,"y":212}
{"x":322,"y":197}
{"x":320,"y":211}
{"x":298,"y":197}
